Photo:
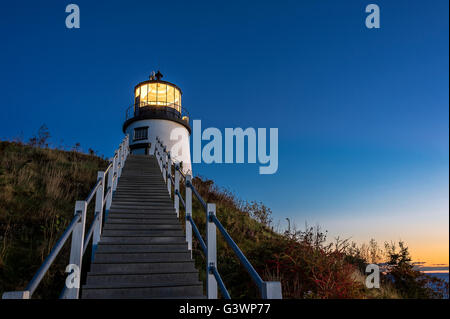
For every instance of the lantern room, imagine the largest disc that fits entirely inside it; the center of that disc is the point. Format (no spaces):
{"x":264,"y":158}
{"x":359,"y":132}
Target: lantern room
{"x":157,"y":93}
{"x":157,"y":113}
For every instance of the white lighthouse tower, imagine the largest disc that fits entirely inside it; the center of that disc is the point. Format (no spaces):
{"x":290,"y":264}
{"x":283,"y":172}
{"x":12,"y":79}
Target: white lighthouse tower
{"x":157,"y":113}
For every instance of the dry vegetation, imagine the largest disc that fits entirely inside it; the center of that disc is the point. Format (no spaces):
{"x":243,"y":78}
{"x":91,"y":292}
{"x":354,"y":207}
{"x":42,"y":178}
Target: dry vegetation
{"x":38,"y":188}
{"x":305,"y":261}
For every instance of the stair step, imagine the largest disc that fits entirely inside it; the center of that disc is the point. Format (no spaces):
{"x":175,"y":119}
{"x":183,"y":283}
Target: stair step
{"x":133,"y":189}
{"x":167,"y":215}
{"x":148,"y":196}
{"x":162,"y":210}
{"x":141,"y":257}
{"x":133,"y":202}
{"x":141,"y":248}
{"x":152,"y":180}
{"x":141,"y":191}
{"x":147,"y":179}
{"x":133,"y":193}
{"x":96,"y":279}
{"x":137,"y":205}
{"x":140,"y":220}
{"x":163,"y":213}
{"x":183,"y":292}
{"x":140,"y":233}
{"x":143,"y":240}
{"x":152,"y":209}
{"x":152,"y":175}
{"x":142,"y":284}
{"x":143,"y":268}
{"x":138,"y":196}
{"x":143,"y":178}
{"x":134,"y":186}
{"x":154,"y":205}
{"x":141,"y":227}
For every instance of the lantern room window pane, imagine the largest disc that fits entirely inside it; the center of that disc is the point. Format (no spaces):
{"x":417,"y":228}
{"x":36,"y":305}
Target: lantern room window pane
{"x":152,"y":94}
{"x":162,"y":94}
{"x":170,"y":95}
{"x":137,"y":100}
{"x":177,"y":97}
{"x":144,"y":89}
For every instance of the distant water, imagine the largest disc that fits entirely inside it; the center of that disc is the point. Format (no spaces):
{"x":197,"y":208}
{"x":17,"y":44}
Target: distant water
{"x":440,"y":275}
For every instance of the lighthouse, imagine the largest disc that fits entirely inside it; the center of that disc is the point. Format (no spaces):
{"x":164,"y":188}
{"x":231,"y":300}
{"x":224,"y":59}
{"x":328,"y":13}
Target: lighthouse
{"x":157,"y":113}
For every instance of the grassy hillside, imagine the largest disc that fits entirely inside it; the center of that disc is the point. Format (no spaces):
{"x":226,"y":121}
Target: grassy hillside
{"x":39,"y":186}
{"x":38,"y":190}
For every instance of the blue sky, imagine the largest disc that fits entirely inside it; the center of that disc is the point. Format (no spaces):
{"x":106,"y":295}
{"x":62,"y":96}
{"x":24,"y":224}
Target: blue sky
{"x":363,"y":115}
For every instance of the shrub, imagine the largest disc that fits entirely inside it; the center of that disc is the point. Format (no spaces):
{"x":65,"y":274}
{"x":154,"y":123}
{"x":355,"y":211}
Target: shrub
{"x":411,"y":283}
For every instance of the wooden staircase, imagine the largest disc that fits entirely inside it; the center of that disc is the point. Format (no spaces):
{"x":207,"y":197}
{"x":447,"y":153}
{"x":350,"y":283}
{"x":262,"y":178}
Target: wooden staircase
{"x":142,"y":252}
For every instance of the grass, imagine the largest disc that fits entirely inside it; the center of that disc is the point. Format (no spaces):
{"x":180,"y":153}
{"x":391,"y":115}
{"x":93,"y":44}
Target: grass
{"x":38,"y":189}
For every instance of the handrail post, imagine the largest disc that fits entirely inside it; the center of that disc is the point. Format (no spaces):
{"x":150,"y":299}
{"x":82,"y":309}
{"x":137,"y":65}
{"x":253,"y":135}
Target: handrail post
{"x":154,"y":149}
{"x":211,"y":248}
{"x":122,"y":161}
{"x":161,"y":161}
{"x":109,"y":186}
{"x":127,"y":146}
{"x":119,"y":160}
{"x":188,"y":212}
{"x":159,"y":157}
{"x":16,"y":295}
{"x":99,"y":197}
{"x":115,"y":174}
{"x":76,"y":250}
{"x":176,"y":187}
{"x":156,"y":145}
{"x":164,"y":160}
{"x":124,"y":148}
{"x":169,"y":174}
{"x":271,"y":290}
{"x":121,"y":150}
{"x":157,"y":153}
